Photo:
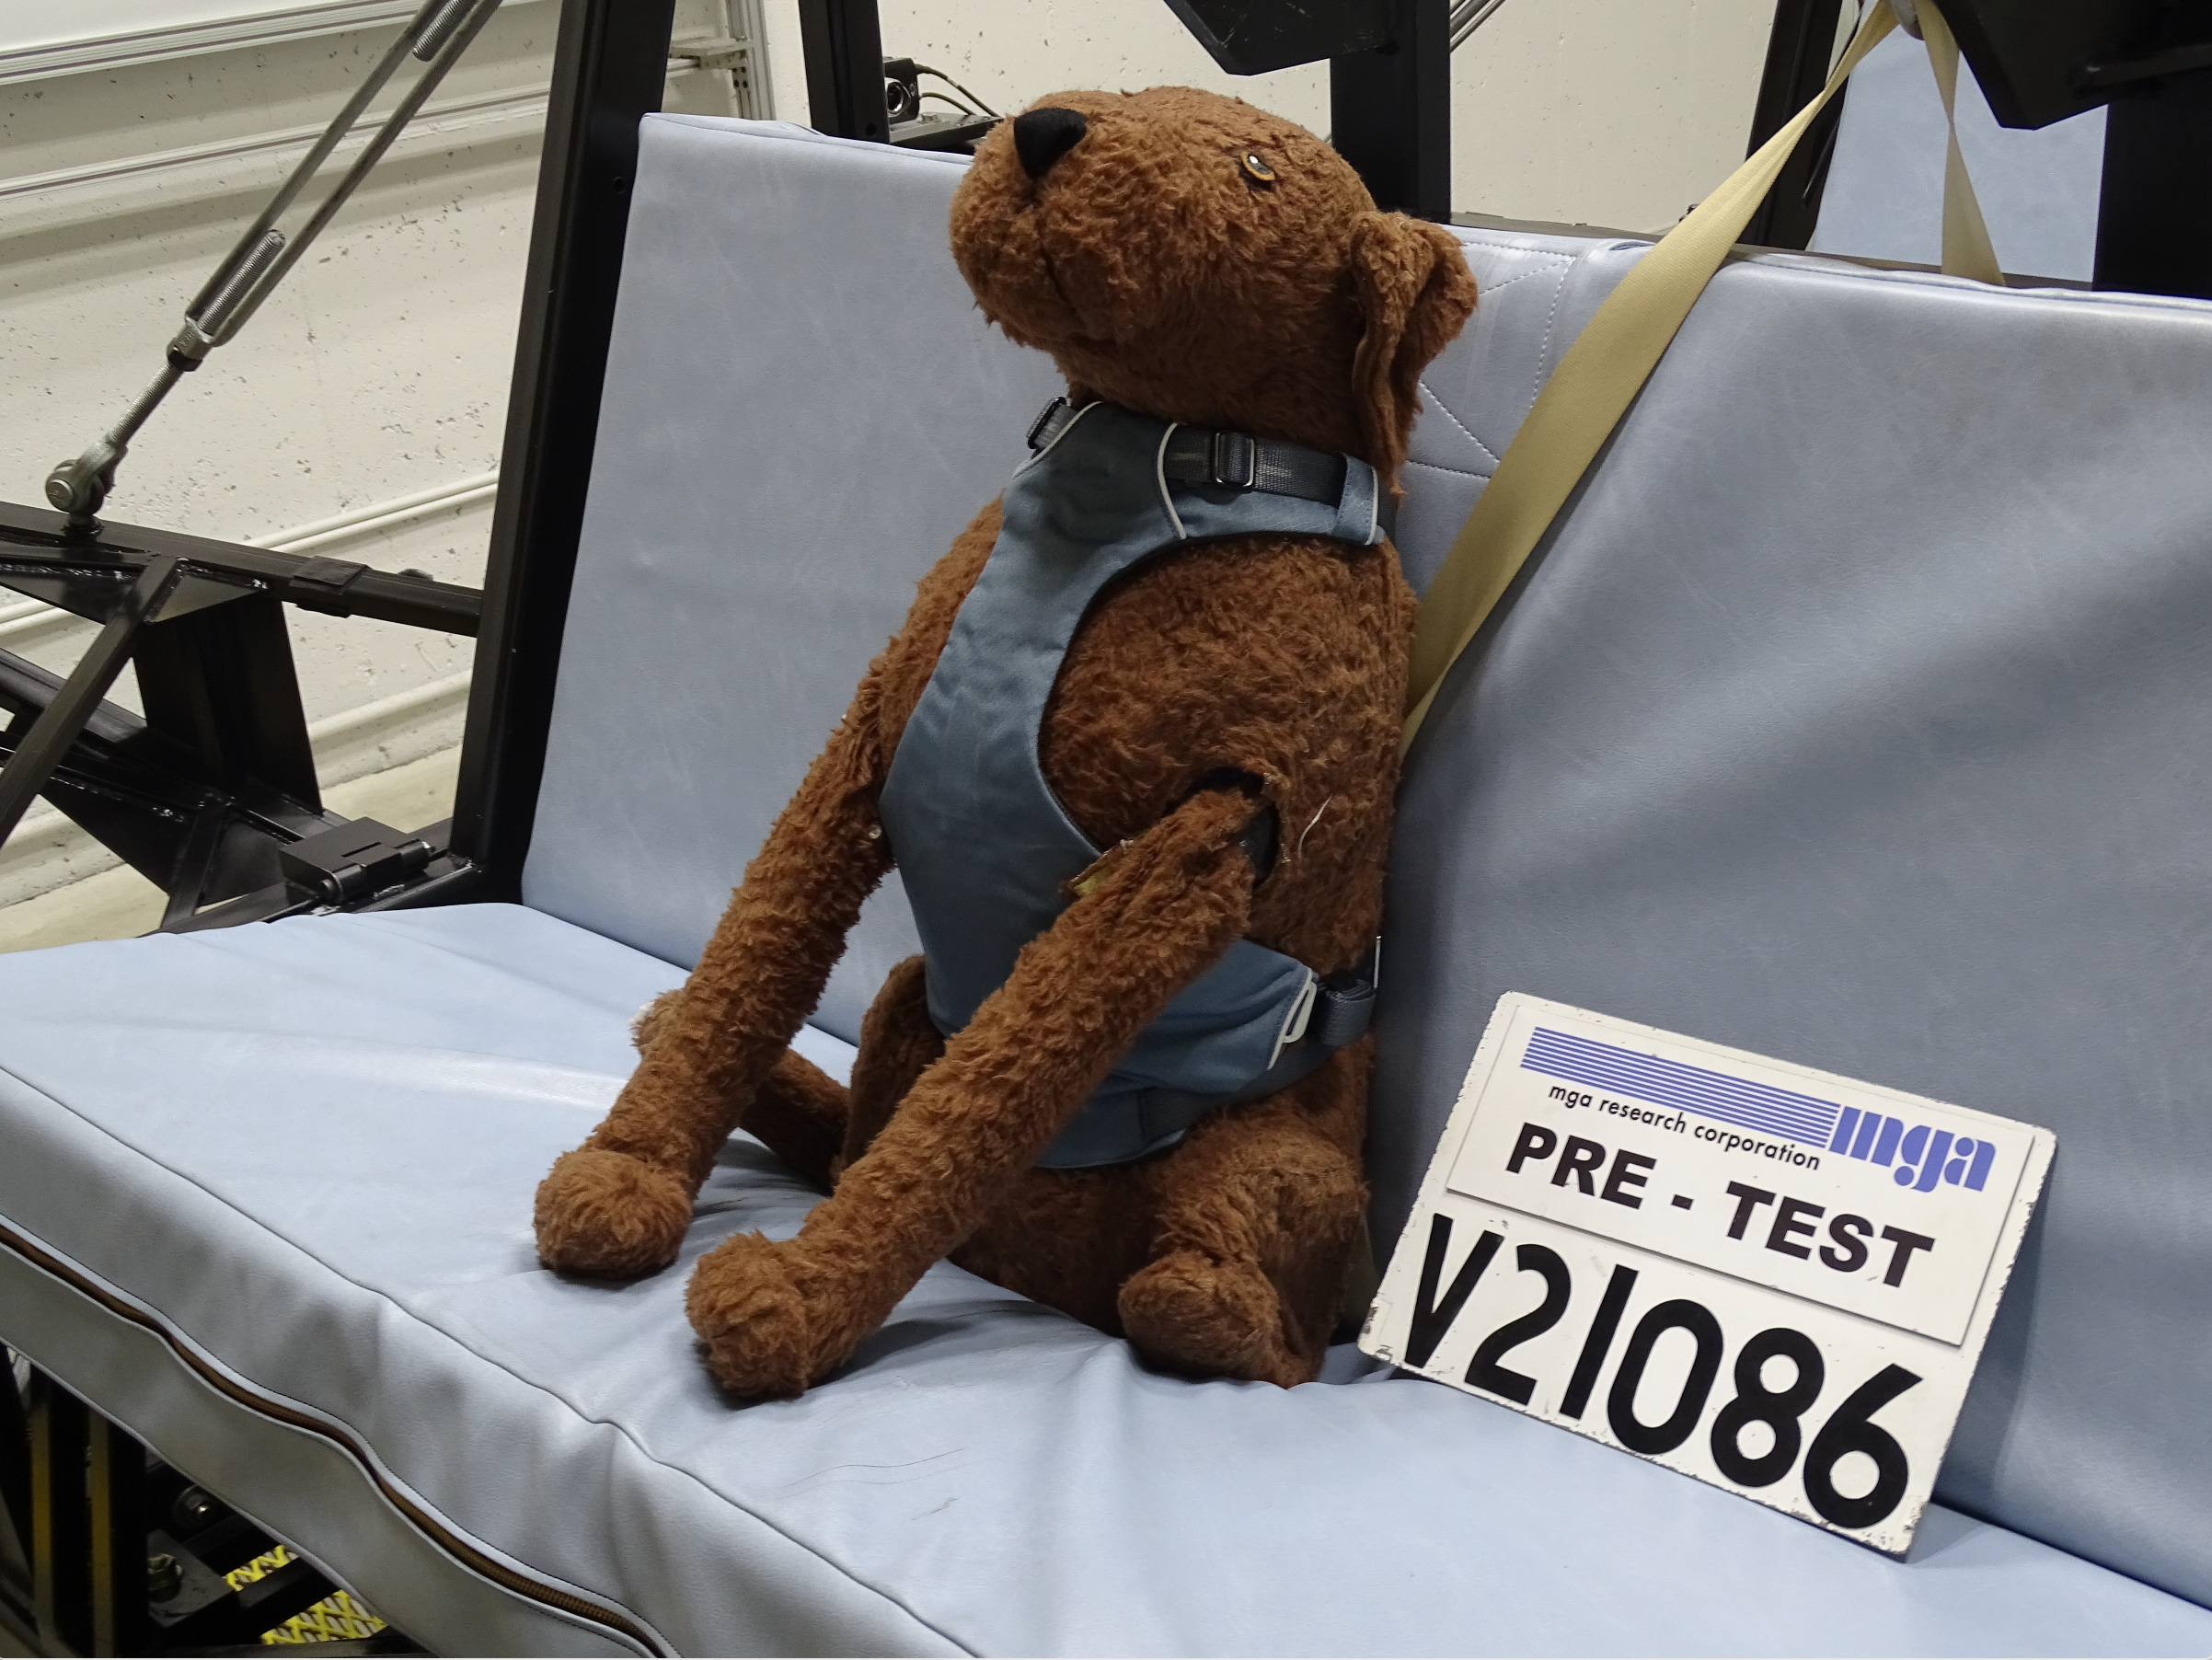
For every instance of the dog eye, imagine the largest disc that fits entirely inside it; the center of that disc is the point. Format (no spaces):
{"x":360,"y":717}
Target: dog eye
{"x":1256,"y":168}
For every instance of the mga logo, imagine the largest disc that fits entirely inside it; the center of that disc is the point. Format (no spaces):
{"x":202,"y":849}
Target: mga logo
{"x":1923,"y":1157}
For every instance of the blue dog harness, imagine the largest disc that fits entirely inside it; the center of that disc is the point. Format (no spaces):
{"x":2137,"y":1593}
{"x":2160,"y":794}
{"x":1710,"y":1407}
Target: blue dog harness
{"x":982,"y":844}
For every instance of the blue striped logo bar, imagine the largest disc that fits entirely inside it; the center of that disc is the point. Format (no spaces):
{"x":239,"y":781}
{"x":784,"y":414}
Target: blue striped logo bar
{"x":1735,"y":1100}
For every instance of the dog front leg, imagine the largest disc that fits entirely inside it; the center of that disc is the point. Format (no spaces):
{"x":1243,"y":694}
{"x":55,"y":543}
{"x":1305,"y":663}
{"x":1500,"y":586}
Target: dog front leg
{"x":619,"y":1204}
{"x":1161,"y":909}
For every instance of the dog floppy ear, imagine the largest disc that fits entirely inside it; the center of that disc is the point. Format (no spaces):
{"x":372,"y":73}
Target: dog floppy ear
{"x":1414,"y":292}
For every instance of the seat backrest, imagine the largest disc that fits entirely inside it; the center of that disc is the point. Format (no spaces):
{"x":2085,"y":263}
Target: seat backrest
{"x":802,"y":408}
{"x":1855,"y":712}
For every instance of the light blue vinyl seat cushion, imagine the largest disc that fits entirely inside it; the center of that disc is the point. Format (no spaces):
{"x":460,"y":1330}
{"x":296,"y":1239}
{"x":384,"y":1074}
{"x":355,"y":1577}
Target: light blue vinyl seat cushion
{"x":1856,"y":714}
{"x":311,"y":1171}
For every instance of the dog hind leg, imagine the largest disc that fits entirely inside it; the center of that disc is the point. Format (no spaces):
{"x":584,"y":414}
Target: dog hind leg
{"x":1259,"y":1211}
{"x":898,"y":1044}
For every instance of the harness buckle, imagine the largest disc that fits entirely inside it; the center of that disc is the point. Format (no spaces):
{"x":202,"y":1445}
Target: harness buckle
{"x":1044,"y":423}
{"x":1234,"y":460}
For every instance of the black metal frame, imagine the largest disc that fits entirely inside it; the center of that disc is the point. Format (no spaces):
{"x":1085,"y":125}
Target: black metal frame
{"x":1798,"y":50}
{"x":212,"y":795}
{"x":1390,"y":79}
{"x":1390,"y":110}
{"x":203,"y":793}
{"x":607,"y":73}
{"x":95,"y":1512}
{"x":2152,"y":71}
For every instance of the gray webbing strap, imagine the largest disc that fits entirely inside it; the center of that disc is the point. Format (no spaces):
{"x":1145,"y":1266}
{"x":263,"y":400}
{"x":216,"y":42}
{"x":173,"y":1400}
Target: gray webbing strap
{"x":1231,"y":460}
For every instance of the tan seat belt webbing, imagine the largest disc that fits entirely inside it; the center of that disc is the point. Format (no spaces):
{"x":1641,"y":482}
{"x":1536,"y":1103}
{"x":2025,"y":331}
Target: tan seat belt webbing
{"x":1602,"y":372}
{"x":1966,"y":250}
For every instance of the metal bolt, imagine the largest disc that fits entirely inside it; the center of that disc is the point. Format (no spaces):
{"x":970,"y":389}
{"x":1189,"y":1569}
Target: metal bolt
{"x":165,"y":1576}
{"x":195,"y":1508}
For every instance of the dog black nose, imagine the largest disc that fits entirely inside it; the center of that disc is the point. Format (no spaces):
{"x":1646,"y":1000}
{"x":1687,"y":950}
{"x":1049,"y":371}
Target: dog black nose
{"x":1042,"y":136}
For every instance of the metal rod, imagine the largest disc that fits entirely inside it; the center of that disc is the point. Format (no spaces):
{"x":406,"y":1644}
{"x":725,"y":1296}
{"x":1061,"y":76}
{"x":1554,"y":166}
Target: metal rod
{"x":309,"y":163}
{"x":116,"y":1474}
{"x":439,"y":30}
{"x":1468,"y":16}
{"x":435,"y":32}
{"x":124,"y":430}
{"x":381,"y":141}
{"x":218,"y":310}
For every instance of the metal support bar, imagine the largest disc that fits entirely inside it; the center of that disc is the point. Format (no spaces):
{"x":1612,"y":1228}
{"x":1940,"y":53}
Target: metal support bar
{"x":15,"y":1475}
{"x":843,"y":45}
{"x":60,"y":1521}
{"x":2154,"y":215}
{"x":53,"y":734}
{"x":608,"y":72}
{"x":1390,"y":112}
{"x":117,"y":1474}
{"x":439,"y":33}
{"x":38,"y":557}
{"x":1798,"y":51}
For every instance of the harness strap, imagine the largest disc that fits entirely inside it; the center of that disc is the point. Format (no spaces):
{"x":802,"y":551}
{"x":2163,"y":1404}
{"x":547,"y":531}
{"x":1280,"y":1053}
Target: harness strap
{"x":1231,"y":460}
{"x":1153,"y":1120}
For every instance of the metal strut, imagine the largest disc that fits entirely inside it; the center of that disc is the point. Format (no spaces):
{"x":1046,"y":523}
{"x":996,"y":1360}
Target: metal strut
{"x":437,"y":35}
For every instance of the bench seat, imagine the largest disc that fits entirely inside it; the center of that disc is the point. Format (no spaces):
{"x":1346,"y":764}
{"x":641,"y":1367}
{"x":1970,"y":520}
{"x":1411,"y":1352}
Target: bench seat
{"x":1856,"y":712}
{"x":285,"y":1230}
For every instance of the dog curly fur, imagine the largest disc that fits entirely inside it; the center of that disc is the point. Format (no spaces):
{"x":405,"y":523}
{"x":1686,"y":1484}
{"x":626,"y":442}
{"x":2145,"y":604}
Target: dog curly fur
{"x":1161,"y":274}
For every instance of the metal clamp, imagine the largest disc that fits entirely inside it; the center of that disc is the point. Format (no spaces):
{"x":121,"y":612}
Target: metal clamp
{"x":354,"y":860}
{"x":320,"y":584}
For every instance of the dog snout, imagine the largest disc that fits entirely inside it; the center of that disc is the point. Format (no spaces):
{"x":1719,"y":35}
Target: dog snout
{"x":1042,"y":136}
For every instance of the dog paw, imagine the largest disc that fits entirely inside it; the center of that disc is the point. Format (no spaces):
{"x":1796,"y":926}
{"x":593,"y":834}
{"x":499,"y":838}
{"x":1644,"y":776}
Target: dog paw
{"x":1211,"y":1320}
{"x":603,"y":1213}
{"x":747,"y":1303}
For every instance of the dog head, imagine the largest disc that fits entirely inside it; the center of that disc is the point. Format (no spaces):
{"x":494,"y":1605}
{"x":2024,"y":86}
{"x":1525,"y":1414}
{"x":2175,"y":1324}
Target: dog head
{"x":1196,"y":259}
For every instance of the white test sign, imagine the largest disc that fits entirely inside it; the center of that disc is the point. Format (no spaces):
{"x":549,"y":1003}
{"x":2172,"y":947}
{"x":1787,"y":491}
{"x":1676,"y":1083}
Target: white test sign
{"x":1771,"y":1278}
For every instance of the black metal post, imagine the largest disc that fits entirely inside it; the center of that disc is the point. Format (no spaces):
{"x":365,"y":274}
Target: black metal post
{"x":1798,"y":51}
{"x":61,"y":1519}
{"x":607,"y":73}
{"x":843,"y":45}
{"x":116,"y":1474}
{"x":1390,"y":112}
{"x":2154,"y":218}
{"x":15,"y":1481}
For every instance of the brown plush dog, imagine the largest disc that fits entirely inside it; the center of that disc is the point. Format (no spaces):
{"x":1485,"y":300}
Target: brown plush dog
{"x":1192,"y":260}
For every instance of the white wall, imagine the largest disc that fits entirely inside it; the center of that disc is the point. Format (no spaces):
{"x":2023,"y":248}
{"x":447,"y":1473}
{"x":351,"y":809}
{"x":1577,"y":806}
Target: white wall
{"x":1614,"y":112}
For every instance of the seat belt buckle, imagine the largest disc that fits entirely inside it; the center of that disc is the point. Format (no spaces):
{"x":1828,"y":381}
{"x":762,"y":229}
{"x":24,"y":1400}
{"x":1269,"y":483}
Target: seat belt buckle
{"x":1234,"y":460}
